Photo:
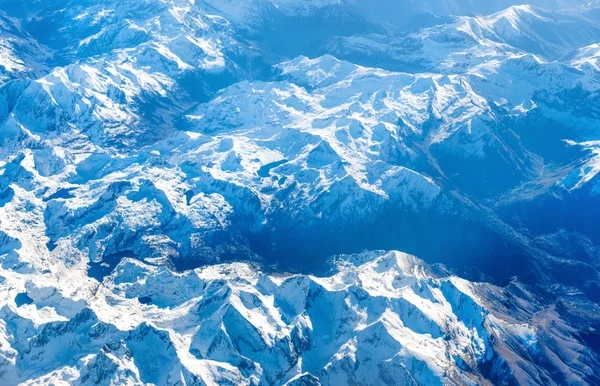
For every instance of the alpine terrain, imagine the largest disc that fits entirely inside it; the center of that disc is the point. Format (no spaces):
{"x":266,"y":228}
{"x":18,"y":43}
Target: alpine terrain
{"x":299,"y":192}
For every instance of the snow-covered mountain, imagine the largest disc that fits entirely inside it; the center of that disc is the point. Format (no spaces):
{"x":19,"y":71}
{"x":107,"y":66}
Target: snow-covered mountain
{"x":165,"y":165}
{"x":21,"y":56}
{"x":382,"y":318}
{"x":456,"y":44}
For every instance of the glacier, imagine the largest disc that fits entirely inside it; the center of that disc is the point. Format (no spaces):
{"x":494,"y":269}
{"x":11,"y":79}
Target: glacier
{"x":214,"y":192}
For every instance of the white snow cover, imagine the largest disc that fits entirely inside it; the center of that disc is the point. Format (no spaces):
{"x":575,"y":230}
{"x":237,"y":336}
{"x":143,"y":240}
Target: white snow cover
{"x":152,"y":150}
{"x":382,"y":318}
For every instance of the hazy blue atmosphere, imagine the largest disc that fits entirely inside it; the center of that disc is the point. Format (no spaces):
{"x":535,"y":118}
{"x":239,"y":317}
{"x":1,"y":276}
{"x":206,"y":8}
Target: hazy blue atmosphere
{"x":299,"y":192}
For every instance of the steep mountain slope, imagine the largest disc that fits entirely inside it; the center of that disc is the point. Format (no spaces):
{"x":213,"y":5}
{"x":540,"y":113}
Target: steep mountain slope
{"x":21,"y":56}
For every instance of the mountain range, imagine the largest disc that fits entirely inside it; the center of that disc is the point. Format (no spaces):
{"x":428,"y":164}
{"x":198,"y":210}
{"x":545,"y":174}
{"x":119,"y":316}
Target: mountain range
{"x":216,"y":192}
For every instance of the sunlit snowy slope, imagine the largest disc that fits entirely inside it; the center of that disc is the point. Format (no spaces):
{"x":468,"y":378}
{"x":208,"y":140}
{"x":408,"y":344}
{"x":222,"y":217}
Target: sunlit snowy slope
{"x":382,"y":318}
{"x":203,"y":192}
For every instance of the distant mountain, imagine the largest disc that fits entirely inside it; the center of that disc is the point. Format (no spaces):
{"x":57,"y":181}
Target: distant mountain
{"x":585,"y":58}
{"x":21,"y":56}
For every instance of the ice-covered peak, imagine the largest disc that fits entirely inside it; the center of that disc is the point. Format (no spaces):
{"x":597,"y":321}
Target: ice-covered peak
{"x":515,"y":16}
{"x":318,"y":72}
{"x":548,"y":33}
{"x":586,"y":59}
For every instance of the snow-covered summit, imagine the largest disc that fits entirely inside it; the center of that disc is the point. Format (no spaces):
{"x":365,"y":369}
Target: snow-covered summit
{"x":586,"y":59}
